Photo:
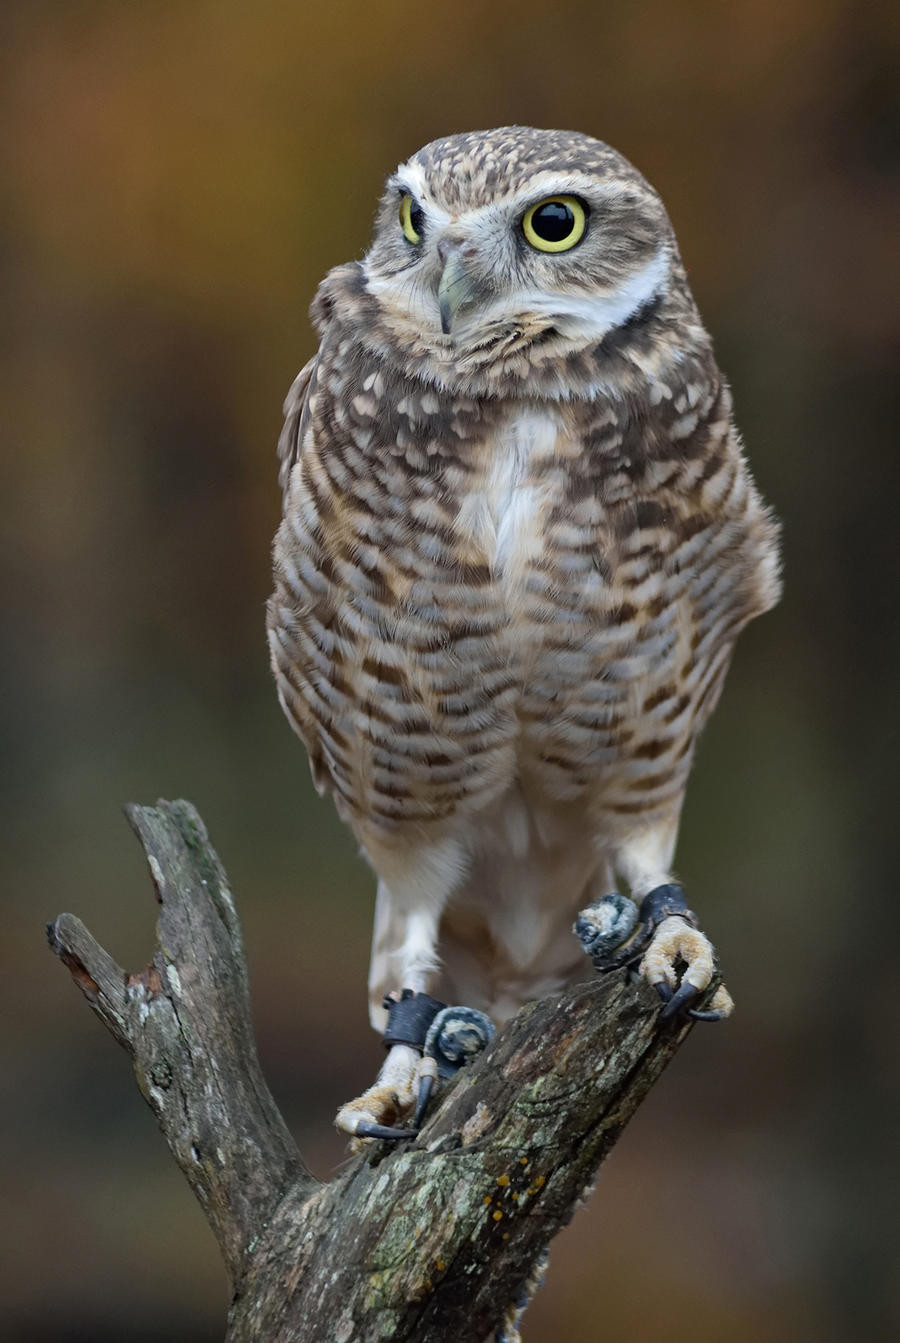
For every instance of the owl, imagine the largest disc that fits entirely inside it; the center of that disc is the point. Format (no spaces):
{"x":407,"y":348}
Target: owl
{"x":519,"y":541}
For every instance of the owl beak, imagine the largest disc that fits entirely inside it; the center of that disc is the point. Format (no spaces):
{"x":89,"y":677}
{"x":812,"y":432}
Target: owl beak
{"x":458,"y":287}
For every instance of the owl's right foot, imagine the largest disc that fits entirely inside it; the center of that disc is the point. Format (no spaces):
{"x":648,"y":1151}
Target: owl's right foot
{"x":426,"y":1042}
{"x":662,"y":942}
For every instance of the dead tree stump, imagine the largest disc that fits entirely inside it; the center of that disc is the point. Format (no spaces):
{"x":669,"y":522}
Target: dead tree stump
{"x":424,"y":1242}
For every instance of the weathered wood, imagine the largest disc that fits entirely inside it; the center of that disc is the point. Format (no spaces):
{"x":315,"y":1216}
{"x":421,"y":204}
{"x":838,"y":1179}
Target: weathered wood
{"x":185,"y":1019}
{"x":424,"y":1242}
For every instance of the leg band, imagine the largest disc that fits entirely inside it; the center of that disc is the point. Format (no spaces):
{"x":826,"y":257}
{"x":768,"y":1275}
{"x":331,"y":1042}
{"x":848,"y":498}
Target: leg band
{"x":409,"y":1018}
{"x":664,"y":901}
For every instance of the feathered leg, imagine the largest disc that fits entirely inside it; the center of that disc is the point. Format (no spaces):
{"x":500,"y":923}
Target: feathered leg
{"x":425,"y":1039}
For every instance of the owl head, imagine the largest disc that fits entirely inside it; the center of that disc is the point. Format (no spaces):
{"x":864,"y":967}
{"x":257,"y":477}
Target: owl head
{"x":515,"y":244}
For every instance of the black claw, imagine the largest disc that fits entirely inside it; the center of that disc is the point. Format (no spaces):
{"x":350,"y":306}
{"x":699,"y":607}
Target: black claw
{"x":685,"y":994}
{"x":366,"y":1130}
{"x":710,"y":1014}
{"x":664,"y":991}
{"x":426,"y":1085}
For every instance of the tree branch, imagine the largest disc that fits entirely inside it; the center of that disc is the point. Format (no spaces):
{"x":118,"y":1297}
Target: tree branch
{"x":185,"y":1019}
{"x":419,"y":1243}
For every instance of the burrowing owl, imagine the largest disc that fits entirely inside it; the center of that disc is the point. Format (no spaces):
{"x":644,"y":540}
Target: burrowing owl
{"x":519,"y":542}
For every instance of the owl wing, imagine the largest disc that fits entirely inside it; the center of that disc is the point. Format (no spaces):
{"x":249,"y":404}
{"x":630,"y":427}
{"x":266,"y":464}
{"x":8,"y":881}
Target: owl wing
{"x":295,"y":417}
{"x":296,"y":601}
{"x":316,"y":660}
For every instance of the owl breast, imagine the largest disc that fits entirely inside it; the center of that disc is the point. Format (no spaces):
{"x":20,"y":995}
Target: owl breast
{"x":597,"y":622}
{"x":472,"y":598}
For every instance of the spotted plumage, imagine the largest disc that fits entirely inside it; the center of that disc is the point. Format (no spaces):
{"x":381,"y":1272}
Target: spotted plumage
{"x":514,"y":559}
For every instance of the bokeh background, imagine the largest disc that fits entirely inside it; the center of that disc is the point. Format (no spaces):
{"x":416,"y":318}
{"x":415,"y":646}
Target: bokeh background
{"x":175,"y":180}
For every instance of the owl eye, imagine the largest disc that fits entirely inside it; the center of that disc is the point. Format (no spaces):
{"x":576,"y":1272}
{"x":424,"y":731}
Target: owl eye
{"x":555,"y":224}
{"x":412,"y":220}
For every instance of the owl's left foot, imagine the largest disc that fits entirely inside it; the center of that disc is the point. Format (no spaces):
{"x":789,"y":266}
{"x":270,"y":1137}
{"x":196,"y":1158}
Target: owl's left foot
{"x":656,"y":941}
{"x":427,"y":1042}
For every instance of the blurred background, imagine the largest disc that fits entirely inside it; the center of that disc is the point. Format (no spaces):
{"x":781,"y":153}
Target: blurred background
{"x":175,"y":180}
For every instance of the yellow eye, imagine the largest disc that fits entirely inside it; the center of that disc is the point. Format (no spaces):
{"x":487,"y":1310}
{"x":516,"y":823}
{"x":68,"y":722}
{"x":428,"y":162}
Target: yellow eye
{"x":412,"y":217}
{"x":555,"y":224}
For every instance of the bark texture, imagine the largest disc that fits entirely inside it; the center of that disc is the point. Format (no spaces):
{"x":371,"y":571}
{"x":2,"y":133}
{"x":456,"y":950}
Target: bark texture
{"x":425,"y":1242}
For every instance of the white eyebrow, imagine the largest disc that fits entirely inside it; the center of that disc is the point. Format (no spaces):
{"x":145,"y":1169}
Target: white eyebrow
{"x":411,"y":177}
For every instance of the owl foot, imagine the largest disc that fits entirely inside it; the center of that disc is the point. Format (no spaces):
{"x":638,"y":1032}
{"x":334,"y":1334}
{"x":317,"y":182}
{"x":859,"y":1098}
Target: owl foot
{"x":655,"y":941}
{"x":427,"y":1042}
{"x":676,"y":941}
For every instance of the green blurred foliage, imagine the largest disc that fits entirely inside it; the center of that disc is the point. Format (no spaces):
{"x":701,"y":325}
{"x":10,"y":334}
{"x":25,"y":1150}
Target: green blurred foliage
{"x":176,"y":178}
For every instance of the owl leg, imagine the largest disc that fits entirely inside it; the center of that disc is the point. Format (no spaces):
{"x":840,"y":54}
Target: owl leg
{"x":659,"y":937}
{"x":425,"y":1040}
{"x":410,"y":1010}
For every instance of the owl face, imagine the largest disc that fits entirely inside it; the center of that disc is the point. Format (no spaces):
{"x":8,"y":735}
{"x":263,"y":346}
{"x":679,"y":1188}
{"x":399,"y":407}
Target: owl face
{"x":540,"y":241}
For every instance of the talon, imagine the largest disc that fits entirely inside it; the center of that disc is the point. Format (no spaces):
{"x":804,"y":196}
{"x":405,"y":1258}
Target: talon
{"x":365,"y":1129}
{"x":664,"y":990}
{"x":686,"y":993}
{"x":721,"y":1006}
{"x":428,"y":1073}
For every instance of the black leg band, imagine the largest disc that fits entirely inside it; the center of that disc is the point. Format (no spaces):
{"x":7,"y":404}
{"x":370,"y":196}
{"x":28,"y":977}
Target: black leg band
{"x":664,"y":901}
{"x":409,"y":1018}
